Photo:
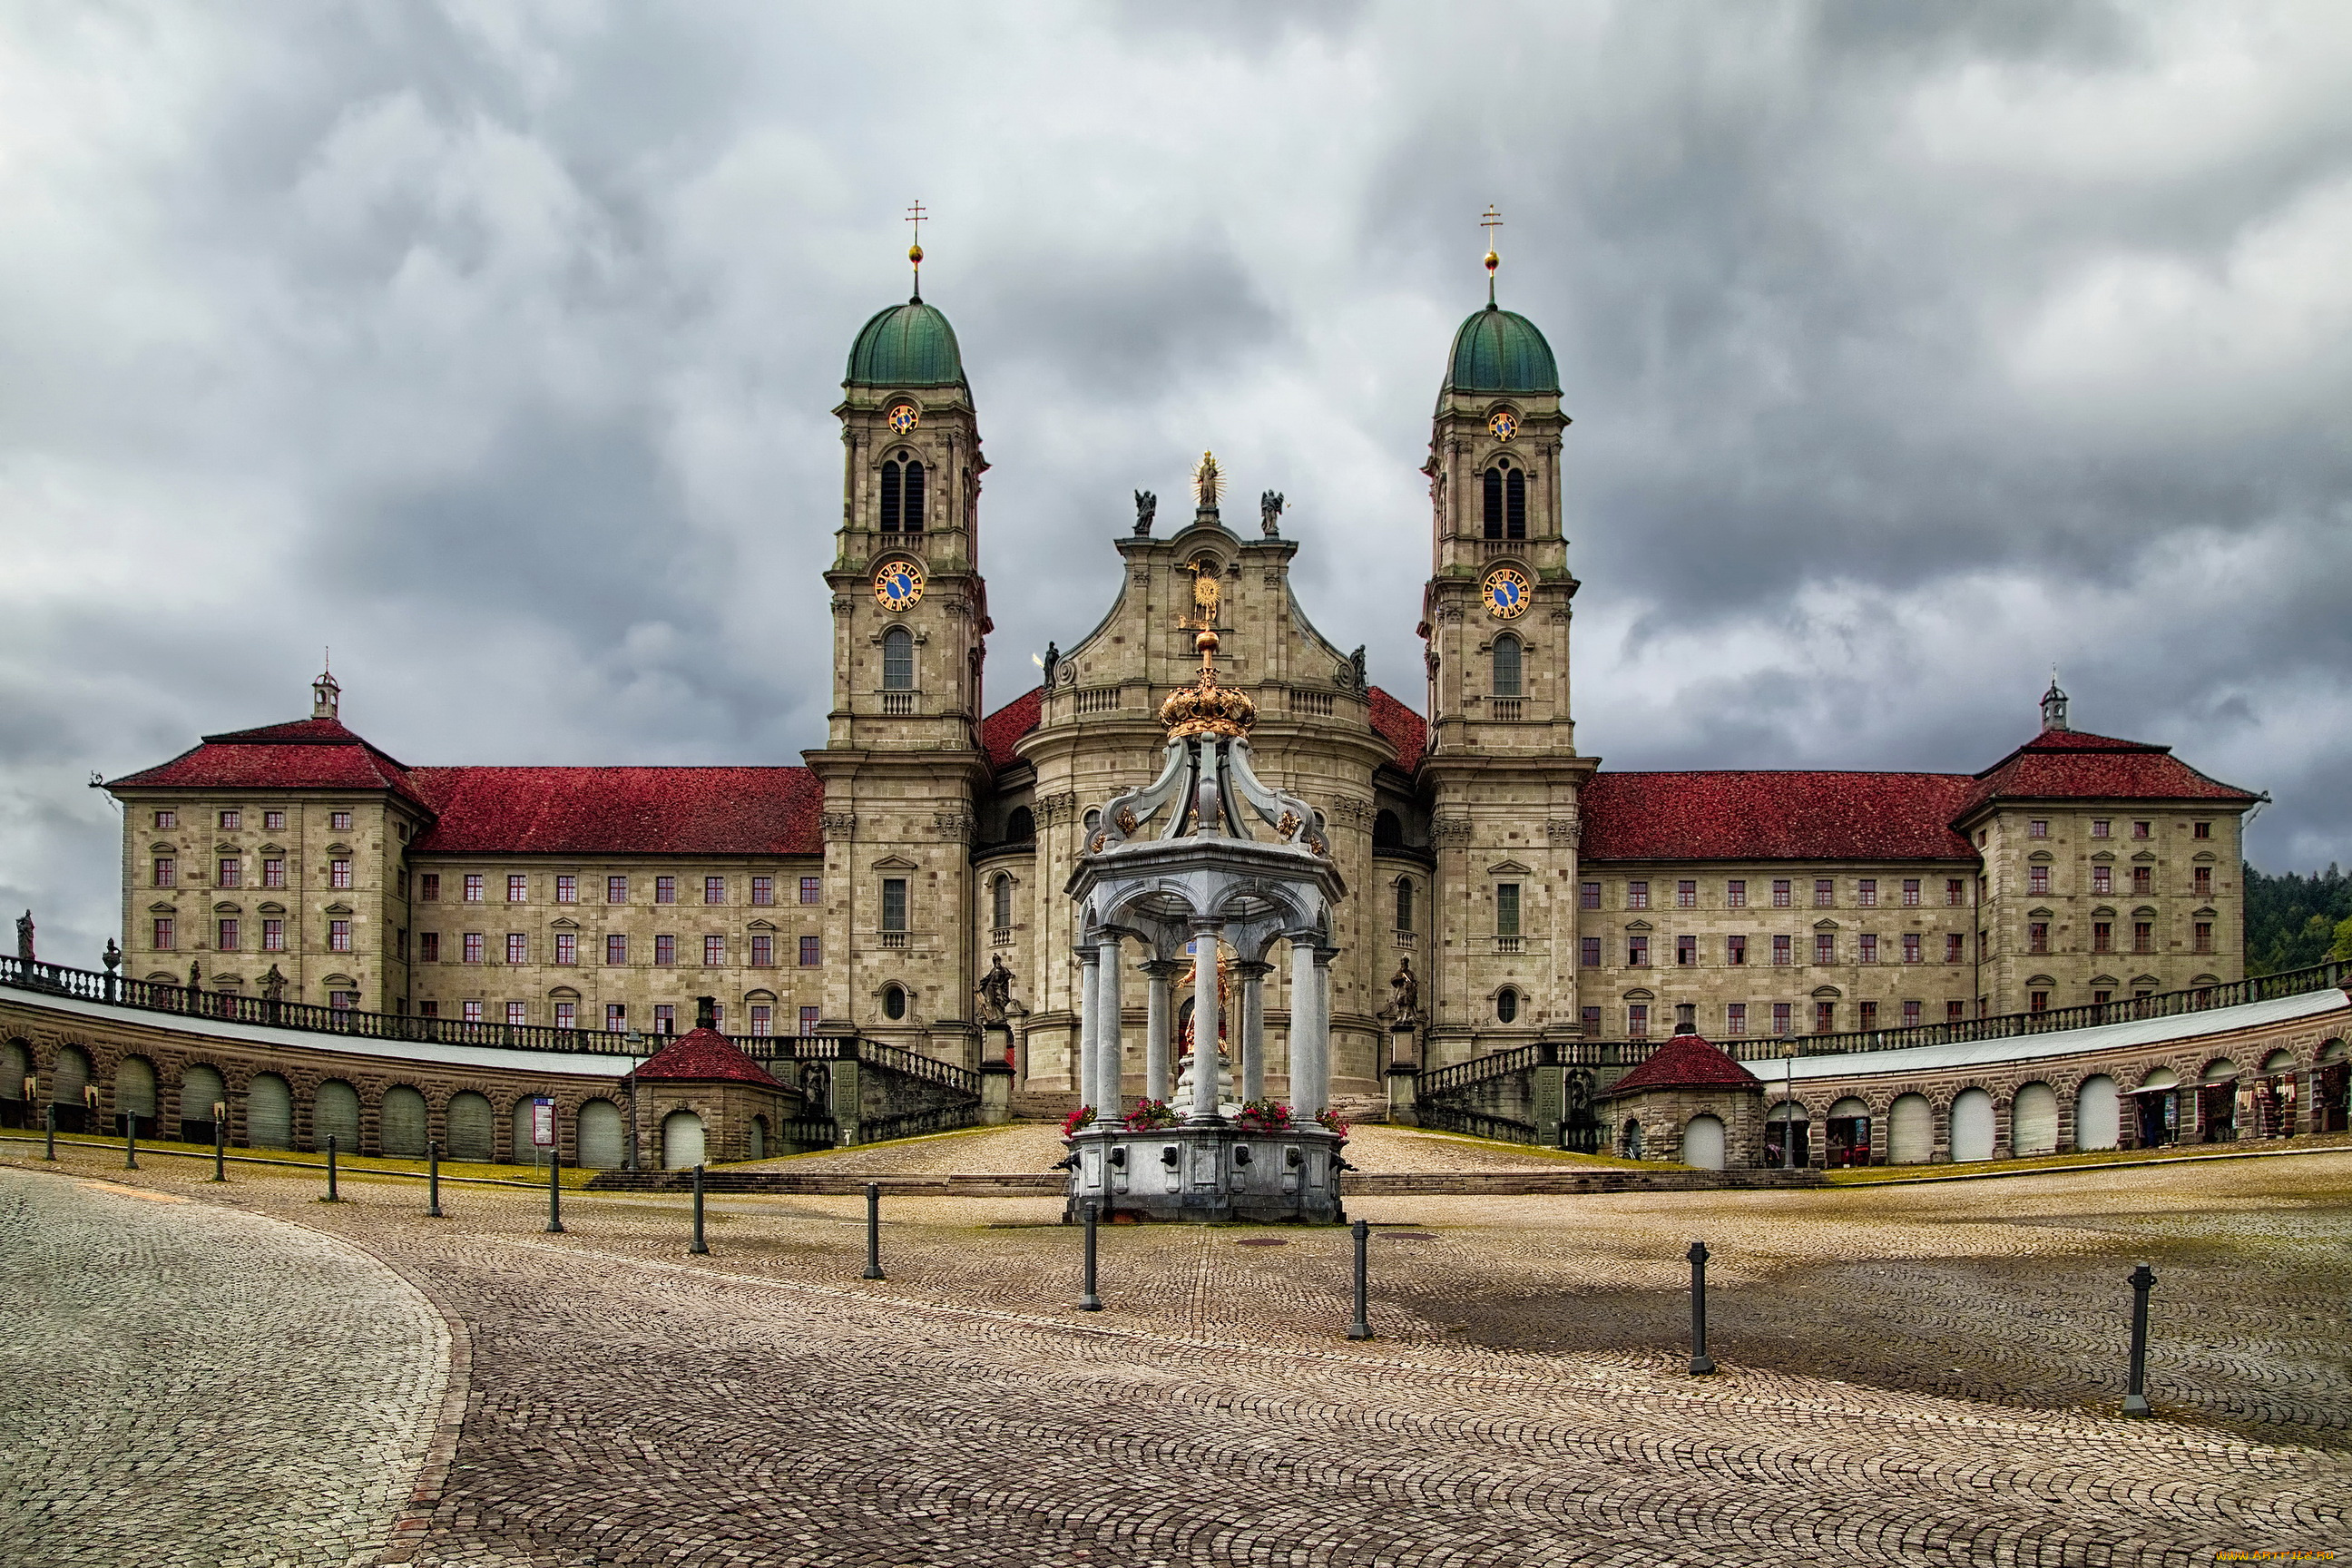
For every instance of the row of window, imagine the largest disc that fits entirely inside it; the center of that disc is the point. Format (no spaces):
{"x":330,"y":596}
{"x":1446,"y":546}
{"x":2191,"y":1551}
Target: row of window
{"x":2103,"y":936}
{"x":1911,"y":892}
{"x":229,"y":934}
{"x":1742,"y":1018}
{"x":473,"y":888}
{"x":2103,"y":879}
{"x":471,"y":947}
{"x":231,"y":819}
{"x":230,"y":872}
{"x":566,"y":1016}
{"x":2103,"y":828}
{"x":1867,"y":949}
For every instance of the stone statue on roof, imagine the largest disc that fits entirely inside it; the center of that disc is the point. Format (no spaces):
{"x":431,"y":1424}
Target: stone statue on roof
{"x":273,"y":986}
{"x":1269,"y":509}
{"x":24,"y":936}
{"x":1147,"y":507}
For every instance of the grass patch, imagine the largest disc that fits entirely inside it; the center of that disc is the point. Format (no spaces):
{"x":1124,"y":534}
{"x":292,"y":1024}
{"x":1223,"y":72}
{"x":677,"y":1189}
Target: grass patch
{"x":1863,"y":1177}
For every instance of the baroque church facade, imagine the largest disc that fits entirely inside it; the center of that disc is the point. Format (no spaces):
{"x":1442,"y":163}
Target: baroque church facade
{"x":1534,"y":894}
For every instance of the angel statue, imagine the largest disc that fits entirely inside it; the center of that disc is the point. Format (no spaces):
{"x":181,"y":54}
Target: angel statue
{"x":1147,"y":507}
{"x":1269,"y":507}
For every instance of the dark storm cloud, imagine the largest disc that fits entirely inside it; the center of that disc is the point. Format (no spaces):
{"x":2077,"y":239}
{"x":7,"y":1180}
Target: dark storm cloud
{"x":1911,"y":350}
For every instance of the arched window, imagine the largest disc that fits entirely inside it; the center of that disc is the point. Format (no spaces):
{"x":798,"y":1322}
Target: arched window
{"x":1492,"y":509}
{"x":894,"y":1001}
{"x":1506,"y":1006}
{"x":890,"y":497}
{"x":1387,"y":830}
{"x":1514,"y":504}
{"x":1404,"y":903}
{"x":911,"y":519}
{"x":1021,"y":826}
{"x":1506,"y":666}
{"x":1000,"y":901}
{"x":898,"y":659}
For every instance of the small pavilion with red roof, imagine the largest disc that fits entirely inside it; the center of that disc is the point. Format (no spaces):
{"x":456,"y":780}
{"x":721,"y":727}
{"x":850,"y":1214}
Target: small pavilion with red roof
{"x":1689,"y":1102}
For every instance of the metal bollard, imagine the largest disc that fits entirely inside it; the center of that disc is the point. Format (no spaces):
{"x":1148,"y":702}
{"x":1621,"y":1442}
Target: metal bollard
{"x":330,"y":1170}
{"x":1361,"y":1328}
{"x":220,"y":1148}
{"x":2135,"y":1396}
{"x":873,"y":1230}
{"x":49,"y":1140}
{"x":1090,"y":1301}
{"x":555,"y":1192}
{"x":129,"y":1142}
{"x":699,"y":1245}
{"x":1701,"y":1363}
{"x":433,"y":1180}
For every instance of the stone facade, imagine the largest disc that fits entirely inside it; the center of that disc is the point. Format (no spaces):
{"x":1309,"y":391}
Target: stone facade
{"x":1540,"y":896}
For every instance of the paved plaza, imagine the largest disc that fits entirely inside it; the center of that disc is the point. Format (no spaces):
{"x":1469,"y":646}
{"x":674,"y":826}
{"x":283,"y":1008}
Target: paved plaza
{"x":1918,"y":1373}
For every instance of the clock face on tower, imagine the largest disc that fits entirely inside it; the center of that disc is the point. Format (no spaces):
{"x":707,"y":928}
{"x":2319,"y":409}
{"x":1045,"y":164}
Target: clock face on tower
{"x":899,"y":585}
{"x":1505,"y":591}
{"x":1504,"y":424}
{"x":902,"y":417}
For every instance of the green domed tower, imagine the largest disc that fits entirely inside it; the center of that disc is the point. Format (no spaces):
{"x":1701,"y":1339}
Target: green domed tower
{"x":1502,"y":774}
{"x":902,"y":765}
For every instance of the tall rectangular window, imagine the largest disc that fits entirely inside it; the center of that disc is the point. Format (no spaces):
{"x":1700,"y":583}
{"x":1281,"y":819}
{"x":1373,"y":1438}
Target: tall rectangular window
{"x":1869,"y":953}
{"x":167,"y":871}
{"x":2204,"y":881}
{"x":763,"y":951}
{"x":1783,"y":951}
{"x":894,"y":903}
{"x":763,"y":1019}
{"x":471,"y":1011}
{"x":2100,"y":827}
{"x":808,"y":1021}
{"x":714,"y":950}
{"x":1589,"y":950}
{"x":273,"y":875}
{"x":230,"y":872}
{"x":1686,"y":952}
{"x":227,"y":935}
{"x":518,"y":947}
{"x":1824,"y":894}
{"x":1001,"y":897}
{"x":1588,"y":895}
{"x":1735,"y":950}
{"x":1686,"y":895}
{"x":1637,"y":950}
{"x":810,"y":949}
{"x":1506,"y":908}
{"x":273,"y":821}
{"x":231,"y":821}
{"x":1955,"y":890}
{"x":516,"y":1016}
{"x":665,"y":1018}
{"x":1735,"y":893}
{"x":273,"y":935}
{"x":166,"y":819}
{"x":339,"y":936}
{"x":2143,"y":879}
{"x":339,"y":821}
{"x":567,"y":890}
{"x":2037,"y":936}
{"x":2103,"y":881}
{"x":2203,"y":933}
{"x":2037,"y":1001}
{"x":1866,"y":1018}
{"x":2037,"y":879}
{"x":616,"y":890}
{"x":428,"y":947}
{"x":1735,"y":1019}
{"x":518,"y":890}
{"x":616,"y":1017}
{"x":763,"y":890}
{"x":1911,"y":892}
{"x":1590,"y":1017}
{"x":567,"y":947}
{"x":428,"y":884}
{"x":1637,"y":895}
{"x":339,"y":873}
{"x":2103,"y":936}
{"x":567,"y":1015}
{"x":617,"y":949}
{"x":714,"y":890}
{"x":665,"y":950}
{"x":665,"y":889}
{"x":1637,"y":1020}
{"x":1782,"y":897}
{"x":1910,"y":1015}
{"x":163,"y":933}
{"x":1824,"y":947}
{"x":1911,"y":947}
{"x":1780,"y":1017}
{"x":473,"y":887}
{"x":1956,"y":947}
{"x":1866,"y":892}
{"x":471,"y":946}
{"x":812,"y":889}
{"x":2200,"y":830}
{"x":1826,"y":1017}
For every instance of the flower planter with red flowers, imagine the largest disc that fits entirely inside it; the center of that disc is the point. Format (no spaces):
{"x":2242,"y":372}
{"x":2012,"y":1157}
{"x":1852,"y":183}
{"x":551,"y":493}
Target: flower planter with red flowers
{"x":1264,"y":1116}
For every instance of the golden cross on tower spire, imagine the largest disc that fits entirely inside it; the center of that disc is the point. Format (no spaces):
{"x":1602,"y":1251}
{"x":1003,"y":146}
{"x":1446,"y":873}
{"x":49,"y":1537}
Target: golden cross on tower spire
{"x":915,"y":214}
{"x":1490,"y":222}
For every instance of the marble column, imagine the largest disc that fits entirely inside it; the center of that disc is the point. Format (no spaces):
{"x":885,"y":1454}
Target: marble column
{"x":1158,"y":1028}
{"x":1084,"y":1074}
{"x":1252,"y":1029}
{"x":1303,"y":1018}
{"x":1204,"y":1023}
{"x":1110,"y":1044}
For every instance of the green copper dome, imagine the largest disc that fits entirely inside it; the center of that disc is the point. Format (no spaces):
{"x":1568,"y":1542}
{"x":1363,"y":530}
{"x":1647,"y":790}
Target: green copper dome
{"x":908,"y":345}
{"x":1500,"y":350}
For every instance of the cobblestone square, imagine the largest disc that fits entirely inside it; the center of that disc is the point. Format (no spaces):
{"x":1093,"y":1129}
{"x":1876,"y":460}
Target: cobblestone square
{"x":1917,"y":1374}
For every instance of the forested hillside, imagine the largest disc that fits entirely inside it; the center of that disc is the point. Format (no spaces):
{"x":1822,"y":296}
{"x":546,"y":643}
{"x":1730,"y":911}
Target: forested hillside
{"x":2293,"y":921}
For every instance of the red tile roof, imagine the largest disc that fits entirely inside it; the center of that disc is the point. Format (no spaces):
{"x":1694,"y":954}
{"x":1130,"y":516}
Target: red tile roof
{"x":622,"y":811}
{"x":1001,"y":729}
{"x":311,"y":753}
{"x":1399,"y":726}
{"x":704,"y":1056}
{"x":2068,"y":765}
{"x":1687,"y":1061}
{"x":1749,"y":816}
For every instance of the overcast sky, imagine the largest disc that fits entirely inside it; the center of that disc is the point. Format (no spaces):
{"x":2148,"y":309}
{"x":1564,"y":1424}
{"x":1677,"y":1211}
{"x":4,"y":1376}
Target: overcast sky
{"x":1912,"y":349}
